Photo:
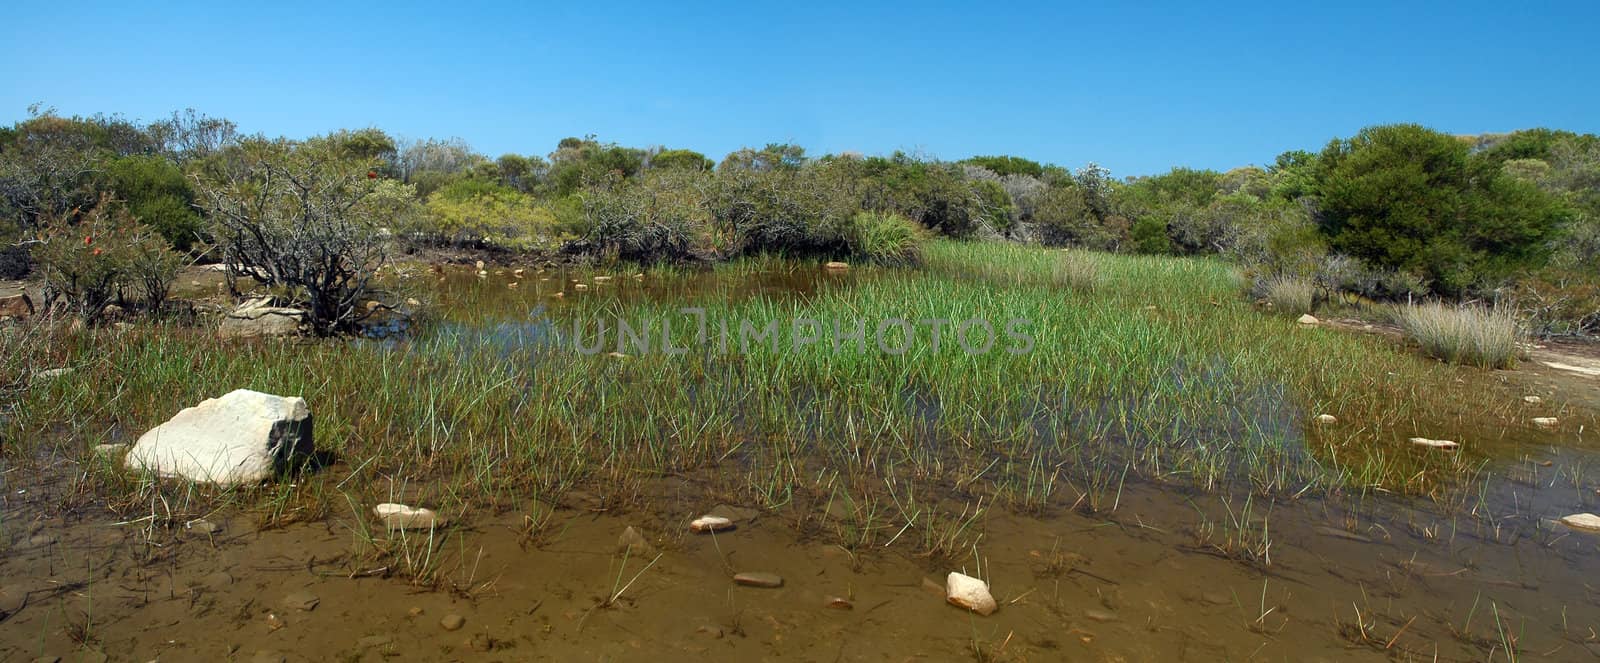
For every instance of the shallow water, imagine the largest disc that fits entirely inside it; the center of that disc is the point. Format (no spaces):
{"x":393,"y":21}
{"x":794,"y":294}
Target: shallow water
{"x":1161,"y":573}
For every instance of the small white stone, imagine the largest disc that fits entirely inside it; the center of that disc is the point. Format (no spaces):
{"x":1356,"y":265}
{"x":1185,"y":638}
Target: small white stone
{"x":710,"y":524}
{"x":1308,"y":319}
{"x":1546,"y":422}
{"x":1584,"y":521}
{"x":1532,"y":400}
{"x":400,"y":516}
{"x":1434,"y":444}
{"x":969,"y":592}
{"x":1326,"y":419}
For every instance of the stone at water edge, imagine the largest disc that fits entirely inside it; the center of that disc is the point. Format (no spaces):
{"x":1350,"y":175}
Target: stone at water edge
{"x":1532,"y":400}
{"x":452,"y":622}
{"x":49,"y":373}
{"x":758,"y":579}
{"x":1308,"y":319}
{"x":242,"y":437}
{"x":1434,"y":444}
{"x":400,"y":516}
{"x":968,"y":592}
{"x":1327,"y":419}
{"x":710,"y":524}
{"x":836,"y":266}
{"x":1546,"y":422}
{"x":479,"y":265}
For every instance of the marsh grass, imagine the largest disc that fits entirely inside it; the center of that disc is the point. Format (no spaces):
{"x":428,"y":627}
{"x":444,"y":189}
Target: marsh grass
{"x":1288,"y":294}
{"x":1469,"y":335}
{"x":1152,"y":369}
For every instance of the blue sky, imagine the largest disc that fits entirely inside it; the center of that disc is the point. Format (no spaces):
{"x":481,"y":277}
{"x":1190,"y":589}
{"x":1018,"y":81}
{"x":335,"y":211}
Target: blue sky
{"x":1137,"y":88}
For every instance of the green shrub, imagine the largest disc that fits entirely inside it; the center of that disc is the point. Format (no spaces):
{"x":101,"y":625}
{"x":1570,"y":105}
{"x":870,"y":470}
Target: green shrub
{"x":887,"y":238}
{"x":87,"y":263}
{"x":1471,"y":335}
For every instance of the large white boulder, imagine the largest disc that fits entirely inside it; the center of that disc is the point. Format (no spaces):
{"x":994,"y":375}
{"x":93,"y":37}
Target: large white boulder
{"x":243,"y":437}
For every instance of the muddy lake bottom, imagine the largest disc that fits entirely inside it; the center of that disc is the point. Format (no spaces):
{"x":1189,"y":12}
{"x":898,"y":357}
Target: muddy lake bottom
{"x":1155,"y":571}
{"x":1385,"y":581}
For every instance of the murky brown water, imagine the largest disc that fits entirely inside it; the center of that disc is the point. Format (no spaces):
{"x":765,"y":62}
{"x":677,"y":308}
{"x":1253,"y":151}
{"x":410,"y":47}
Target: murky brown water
{"x":1347,"y":576}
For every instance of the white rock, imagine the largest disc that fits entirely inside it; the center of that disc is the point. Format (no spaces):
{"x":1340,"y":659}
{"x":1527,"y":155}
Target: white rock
{"x":1326,"y":419}
{"x":1584,"y":521}
{"x":1545,"y":422}
{"x":243,"y":437}
{"x":51,"y":373}
{"x":1532,"y":400}
{"x":969,"y":592}
{"x":400,"y":516}
{"x":258,"y":317}
{"x":836,"y":266}
{"x":1433,"y":444}
{"x":1308,"y":319}
{"x":710,"y":524}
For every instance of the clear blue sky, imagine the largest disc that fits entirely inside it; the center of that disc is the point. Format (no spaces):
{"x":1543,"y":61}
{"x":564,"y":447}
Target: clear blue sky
{"x":1136,"y":89}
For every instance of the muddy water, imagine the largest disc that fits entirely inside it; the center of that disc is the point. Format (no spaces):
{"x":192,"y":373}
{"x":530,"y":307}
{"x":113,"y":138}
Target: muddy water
{"x":1348,"y":576}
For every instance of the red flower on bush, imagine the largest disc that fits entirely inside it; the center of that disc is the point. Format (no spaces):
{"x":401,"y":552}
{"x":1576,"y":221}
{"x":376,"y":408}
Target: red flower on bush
{"x":87,"y":240}
{"x":97,"y":252}
{"x":372,"y":175}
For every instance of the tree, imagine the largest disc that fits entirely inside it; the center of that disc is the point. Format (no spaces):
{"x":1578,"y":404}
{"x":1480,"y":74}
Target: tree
{"x":1008,"y":165}
{"x":298,"y":216}
{"x":681,"y":160}
{"x":1404,"y":197}
{"x":775,"y":156}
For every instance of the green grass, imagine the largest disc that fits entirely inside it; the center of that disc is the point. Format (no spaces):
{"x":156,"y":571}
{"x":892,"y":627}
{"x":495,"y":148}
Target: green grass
{"x":1289,"y":294}
{"x":1142,"y":368}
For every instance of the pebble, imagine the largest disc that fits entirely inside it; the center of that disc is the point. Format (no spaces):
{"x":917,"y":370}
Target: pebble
{"x":374,"y":641}
{"x":713,"y":632}
{"x":1434,"y":444}
{"x":634,"y":544}
{"x":758,"y":579}
{"x":218,"y":579}
{"x":203,"y":526}
{"x":452,"y":622}
{"x":836,"y":266}
{"x":1532,"y":400}
{"x":1327,"y":419}
{"x":968,"y":592}
{"x":301,"y":601}
{"x":1587,"y":522}
{"x":414,"y":612}
{"x":1546,"y":422}
{"x":710,"y":524}
{"x":1100,"y":615}
{"x":400,"y":516}
{"x":839,"y":603}
{"x":1308,"y":319}
{"x":737,"y":514}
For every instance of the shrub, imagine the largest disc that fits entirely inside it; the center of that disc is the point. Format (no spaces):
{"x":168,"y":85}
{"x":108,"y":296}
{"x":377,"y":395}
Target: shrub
{"x":15,"y":262}
{"x":156,"y":192}
{"x":1471,"y":335}
{"x":887,"y":238}
{"x":470,"y":211}
{"x":85,"y":262}
{"x":1289,"y":294}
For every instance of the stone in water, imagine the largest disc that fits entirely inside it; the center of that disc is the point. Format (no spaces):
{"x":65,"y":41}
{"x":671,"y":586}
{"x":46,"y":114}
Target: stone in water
{"x":758,"y":579}
{"x":1587,"y":522}
{"x":1327,"y":419}
{"x":400,"y":516}
{"x":1546,"y":422}
{"x":1308,"y":319}
{"x":710,"y":524}
{"x":968,"y":592}
{"x":1433,"y":444}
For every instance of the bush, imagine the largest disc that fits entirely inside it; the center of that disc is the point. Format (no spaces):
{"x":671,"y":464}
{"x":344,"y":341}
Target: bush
{"x":472,"y":212}
{"x":1289,"y":294}
{"x":15,"y":263}
{"x":85,"y":262}
{"x":156,"y":192}
{"x":1471,"y":335}
{"x":886,"y":238}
